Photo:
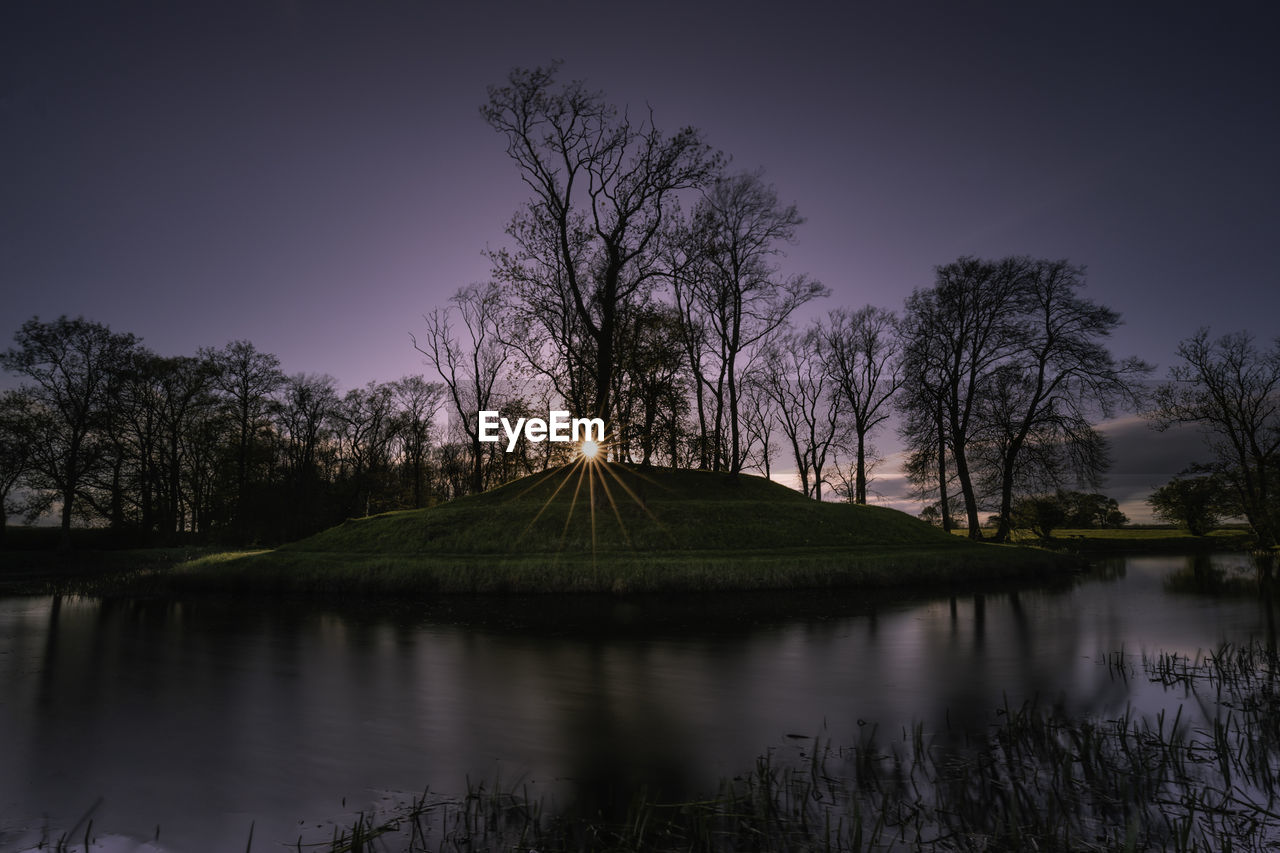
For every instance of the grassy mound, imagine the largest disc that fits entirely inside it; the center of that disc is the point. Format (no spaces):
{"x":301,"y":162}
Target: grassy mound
{"x":618,"y":529}
{"x":627,"y":510}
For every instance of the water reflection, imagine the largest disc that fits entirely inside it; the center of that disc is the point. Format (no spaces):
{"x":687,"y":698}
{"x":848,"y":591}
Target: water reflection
{"x":204,"y":716}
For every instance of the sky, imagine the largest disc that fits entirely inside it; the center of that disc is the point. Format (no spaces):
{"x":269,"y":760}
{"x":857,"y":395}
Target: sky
{"x":315,"y":176}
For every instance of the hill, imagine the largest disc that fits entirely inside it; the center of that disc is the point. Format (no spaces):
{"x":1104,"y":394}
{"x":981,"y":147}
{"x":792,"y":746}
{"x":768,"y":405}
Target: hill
{"x":619,"y":528}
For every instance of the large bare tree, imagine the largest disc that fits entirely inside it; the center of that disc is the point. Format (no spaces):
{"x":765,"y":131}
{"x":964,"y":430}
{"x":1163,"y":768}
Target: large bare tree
{"x":1013,"y":360}
{"x":957,"y":332}
{"x":1042,"y":402}
{"x":863,"y":350}
{"x":1231,"y":389}
{"x":73,"y":368}
{"x":729,"y":289}
{"x":603,"y":184}
{"x":793,"y":373}
{"x":419,"y":402}
{"x":247,"y":380}
{"x":470,"y":360}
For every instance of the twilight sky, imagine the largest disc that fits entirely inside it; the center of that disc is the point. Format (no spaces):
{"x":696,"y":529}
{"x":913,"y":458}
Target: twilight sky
{"x":314,"y":176}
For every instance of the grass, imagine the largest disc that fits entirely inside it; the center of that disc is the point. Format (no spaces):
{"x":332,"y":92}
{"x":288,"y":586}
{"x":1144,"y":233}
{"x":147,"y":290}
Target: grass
{"x":613,"y":529}
{"x":633,"y":510}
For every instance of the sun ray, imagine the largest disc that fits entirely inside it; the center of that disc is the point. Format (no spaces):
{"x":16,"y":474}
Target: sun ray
{"x":592,"y":463}
{"x":640,"y":503}
{"x":577,"y":489}
{"x":538,"y":481}
{"x":547,"y":503}
{"x":591,"y":502}
{"x":604,"y":484}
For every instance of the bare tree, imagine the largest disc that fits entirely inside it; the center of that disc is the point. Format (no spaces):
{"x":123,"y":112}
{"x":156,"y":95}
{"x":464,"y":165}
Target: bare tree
{"x":1014,"y":360}
{"x":923,"y":428}
{"x":730,"y":289}
{"x":1061,"y":378}
{"x":133,"y":430}
{"x":602,"y":184}
{"x":309,"y":403}
{"x":808,"y":411}
{"x":74,"y":367}
{"x":1232,"y":390}
{"x":759,"y":419}
{"x":367,"y":426}
{"x":956,"y":333}
{"x":651,"y":382}
{"x":469,"y":365}
{"x":419,"y":402}
{"x":15,"y":454}
{"x":185,"y":400}
{"x":863,"y":350}
{"x":247,"y":380}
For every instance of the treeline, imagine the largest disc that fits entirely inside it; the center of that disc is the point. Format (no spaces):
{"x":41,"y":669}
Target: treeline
{"x":219,"y":445}
{"x":640,"y":284}
{"x":611,"y":299}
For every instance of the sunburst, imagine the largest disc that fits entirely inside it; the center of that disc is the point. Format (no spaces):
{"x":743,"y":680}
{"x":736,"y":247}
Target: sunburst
{"x":592,"y":468}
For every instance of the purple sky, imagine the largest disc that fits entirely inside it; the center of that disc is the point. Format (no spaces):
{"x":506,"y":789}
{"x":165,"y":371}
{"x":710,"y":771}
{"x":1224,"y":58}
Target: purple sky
{"x":315,"y":176}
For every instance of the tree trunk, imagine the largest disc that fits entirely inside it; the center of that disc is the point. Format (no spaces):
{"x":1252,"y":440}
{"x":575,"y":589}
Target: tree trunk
{"x":944,"y":499}
{"x":477,"y":467}
{"x":860,"y":474}
{"x":735,"y":442}
{"x":966,"y":490}
{"x":64,"y":539}
{"x":1006,"y":492}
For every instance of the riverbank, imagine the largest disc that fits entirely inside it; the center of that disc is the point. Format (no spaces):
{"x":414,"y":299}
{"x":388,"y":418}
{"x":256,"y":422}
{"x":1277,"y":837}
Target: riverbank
{"x":322,"y":575}
{"x":31,"y":571}
{"x":1140,"y":540}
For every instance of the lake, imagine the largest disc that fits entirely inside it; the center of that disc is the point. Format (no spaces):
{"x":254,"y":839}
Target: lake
{"x":203,"y":717}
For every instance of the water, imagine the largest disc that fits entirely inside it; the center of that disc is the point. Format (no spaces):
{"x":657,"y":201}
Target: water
{"x":205,"y":716}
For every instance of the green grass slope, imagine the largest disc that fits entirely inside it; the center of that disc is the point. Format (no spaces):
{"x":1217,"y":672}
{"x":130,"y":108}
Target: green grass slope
{"x":627,"y":510}
{"x":620,"y":529}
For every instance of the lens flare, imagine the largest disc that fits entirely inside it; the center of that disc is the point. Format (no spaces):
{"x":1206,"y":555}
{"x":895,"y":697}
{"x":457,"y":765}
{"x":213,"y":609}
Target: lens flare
{"x":589,"y":449}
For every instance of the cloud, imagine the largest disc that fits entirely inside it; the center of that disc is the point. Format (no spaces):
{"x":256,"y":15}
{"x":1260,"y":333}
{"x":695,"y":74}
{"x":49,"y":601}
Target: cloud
{"x":1143,"y":459}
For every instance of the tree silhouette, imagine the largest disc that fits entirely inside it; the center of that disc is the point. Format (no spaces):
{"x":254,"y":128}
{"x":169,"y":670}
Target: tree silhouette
{"x":471,"y":364}
{"x":603,"y":185}
{"x":74,"y":370}
{"x":247,"y":380}
{"x":1013,"y":360}
{"x":863,"y":350}
{"x":419,"y":402}
{"x":808,"y":410}
{"x":727,"y":288}
{"x":956,"y":333}
{"x":1231,"y":389}
{"x":15,"y":454}
{"x":1196,"y":502}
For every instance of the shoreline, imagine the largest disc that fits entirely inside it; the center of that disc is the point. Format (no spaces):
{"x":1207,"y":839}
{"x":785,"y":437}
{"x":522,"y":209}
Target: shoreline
{"x":322,"y":574}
